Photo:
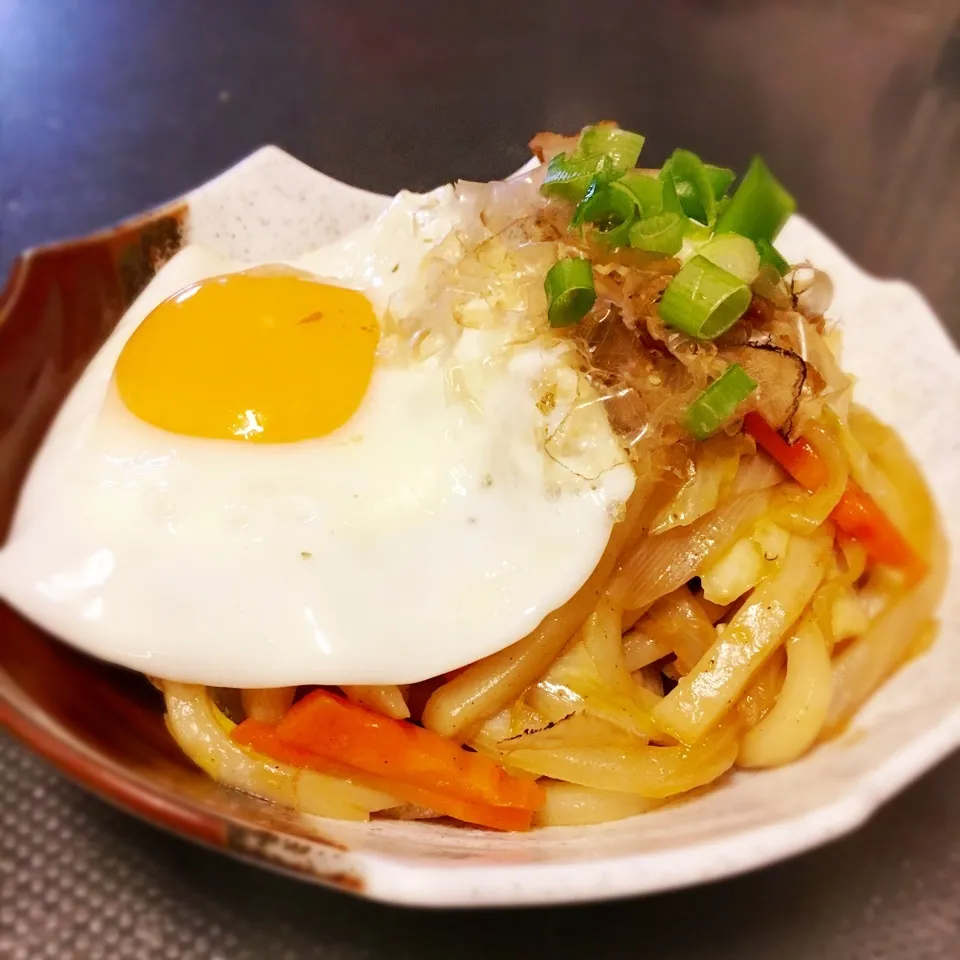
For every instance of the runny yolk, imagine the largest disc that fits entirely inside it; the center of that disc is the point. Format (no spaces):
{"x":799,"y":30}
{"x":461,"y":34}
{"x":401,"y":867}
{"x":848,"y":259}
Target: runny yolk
{"x":270,"y":357}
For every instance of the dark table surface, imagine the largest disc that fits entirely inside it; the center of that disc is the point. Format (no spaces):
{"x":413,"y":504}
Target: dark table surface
{"x":109,"y":106}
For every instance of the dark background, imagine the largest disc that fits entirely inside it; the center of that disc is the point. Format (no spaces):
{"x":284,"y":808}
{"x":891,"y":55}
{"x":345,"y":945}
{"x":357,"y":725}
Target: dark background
{"x":110,"y":106}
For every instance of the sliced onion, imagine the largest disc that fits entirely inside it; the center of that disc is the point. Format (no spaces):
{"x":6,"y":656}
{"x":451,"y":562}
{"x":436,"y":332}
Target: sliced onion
{"x":678,"y":623}
{"x":658,"y":565}
{"x":756,"y":473}
{"x":813,"y":347}
{"x":812,"y":289}
{"x":576,"y":679}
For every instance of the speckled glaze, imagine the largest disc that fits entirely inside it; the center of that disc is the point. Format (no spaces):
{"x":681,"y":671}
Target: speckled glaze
{"x":103,"y":726}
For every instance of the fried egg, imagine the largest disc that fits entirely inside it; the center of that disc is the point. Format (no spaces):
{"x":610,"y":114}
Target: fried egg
{"x":241,"y":490}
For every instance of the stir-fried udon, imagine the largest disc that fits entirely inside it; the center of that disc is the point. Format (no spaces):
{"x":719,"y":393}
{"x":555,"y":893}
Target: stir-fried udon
{"x":778,"y":558}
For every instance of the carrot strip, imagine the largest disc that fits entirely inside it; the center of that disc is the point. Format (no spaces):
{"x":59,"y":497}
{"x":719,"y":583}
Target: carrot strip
{"x":262,"y":738}
{"x":857,"y":513}
{"x":799,"y":459}
{"x":334,"y":727}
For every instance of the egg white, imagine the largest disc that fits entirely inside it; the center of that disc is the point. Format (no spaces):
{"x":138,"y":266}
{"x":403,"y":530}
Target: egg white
{"x":420,"y":536}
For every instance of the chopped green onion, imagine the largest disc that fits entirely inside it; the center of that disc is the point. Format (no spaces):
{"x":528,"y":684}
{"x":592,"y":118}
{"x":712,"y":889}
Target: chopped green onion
{"x":671,"y":199}
{"x":611,"y":208}
{"x":694,"y":187}
{"x":570,"y":177}
{"x":586,"y":205}
{"x":760,"y":206}
{"x":570,"y":291}
{"x":614,"y":236}
{"x":703,"y":300}
{"x":716,"y":405}
{"x":770,"y":254}
{"x":736,"y":254}
{"x":698,"y":233}
{"x":621,"y":146}
{"x":605,"y":202}
{"x":647,"y":191}
{"x":720,"y":178}
{"x":661,"y":233}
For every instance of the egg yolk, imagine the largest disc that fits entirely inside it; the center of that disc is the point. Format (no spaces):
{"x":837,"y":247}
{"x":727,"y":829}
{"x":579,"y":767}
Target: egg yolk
{"x":270,"y":357}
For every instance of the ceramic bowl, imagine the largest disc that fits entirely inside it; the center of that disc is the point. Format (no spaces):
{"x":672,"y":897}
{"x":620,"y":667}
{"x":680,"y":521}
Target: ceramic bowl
{"x":103,"y":726}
